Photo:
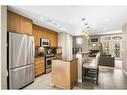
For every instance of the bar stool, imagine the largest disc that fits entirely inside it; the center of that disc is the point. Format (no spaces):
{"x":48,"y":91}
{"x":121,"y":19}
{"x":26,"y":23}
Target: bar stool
{"x":90,"y":70}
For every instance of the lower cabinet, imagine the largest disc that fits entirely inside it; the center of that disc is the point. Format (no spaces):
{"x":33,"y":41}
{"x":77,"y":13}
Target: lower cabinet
{"x":39,"y":66}
{"x":64,"y":73}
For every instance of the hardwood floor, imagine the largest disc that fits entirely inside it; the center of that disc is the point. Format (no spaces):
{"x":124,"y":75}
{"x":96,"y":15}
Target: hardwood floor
{"x":109,"y":78}
{"x":112,"y":79}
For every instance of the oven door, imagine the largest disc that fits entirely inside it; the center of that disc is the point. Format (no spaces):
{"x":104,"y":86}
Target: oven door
{"x":48,"y":63}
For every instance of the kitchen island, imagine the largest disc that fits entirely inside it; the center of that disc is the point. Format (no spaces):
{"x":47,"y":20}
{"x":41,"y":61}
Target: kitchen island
{"x":64,"y":73}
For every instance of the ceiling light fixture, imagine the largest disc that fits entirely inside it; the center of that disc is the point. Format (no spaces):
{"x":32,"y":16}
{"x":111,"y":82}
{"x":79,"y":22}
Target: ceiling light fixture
{"x":86,"y":34}
{"x":88,"y":27}
{"x":83,"y":19}
{"x":86,"y":23}
{"x":88,"y":37}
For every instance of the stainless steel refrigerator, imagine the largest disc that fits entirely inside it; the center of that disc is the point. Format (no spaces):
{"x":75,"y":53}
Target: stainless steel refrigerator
{"x":20,"y":60}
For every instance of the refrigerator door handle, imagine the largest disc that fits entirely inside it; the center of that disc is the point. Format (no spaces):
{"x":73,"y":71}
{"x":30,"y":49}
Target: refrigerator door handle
{"x":33,"y":49}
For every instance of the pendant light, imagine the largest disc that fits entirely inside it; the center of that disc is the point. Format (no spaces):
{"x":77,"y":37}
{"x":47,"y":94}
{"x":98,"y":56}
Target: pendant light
{"x":86,"y":34}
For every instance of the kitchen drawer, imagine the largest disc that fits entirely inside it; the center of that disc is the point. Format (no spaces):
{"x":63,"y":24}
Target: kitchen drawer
{"x":39,"y":62}
{"x":20,"y":77}
{"x":39,"y":66}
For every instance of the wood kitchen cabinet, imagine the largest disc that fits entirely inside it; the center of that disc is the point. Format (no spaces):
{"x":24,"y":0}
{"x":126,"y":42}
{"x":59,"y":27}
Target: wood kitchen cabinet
{"x":13,"y":22}
{"x":64,"y":73}
{"x":44,"y":33}
{"x":48,"y":34}
{"x":19,"y":24}
{"x":37,"y":33}
{"x":39,"y":66}
{"x":54,"y":39}
{"x":26,"y":25}
{"x":40,"y":32}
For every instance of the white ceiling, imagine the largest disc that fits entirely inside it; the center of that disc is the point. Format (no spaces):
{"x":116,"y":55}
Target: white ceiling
{"x":100,"y":19}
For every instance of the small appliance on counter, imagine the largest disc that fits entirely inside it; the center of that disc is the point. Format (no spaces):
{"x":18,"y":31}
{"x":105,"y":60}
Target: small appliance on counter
{"x":49,"y":51}
{"x":39,"y":51}
{"x":58,"y":50}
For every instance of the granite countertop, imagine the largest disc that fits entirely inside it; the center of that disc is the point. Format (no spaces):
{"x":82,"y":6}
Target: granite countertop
{"x":66,"y":60}
{"x":84,"y":52}
{"x":38,"y":56}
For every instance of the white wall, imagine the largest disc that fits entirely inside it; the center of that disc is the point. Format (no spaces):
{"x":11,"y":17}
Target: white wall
{"x":83,"y":44}
{"x":3,"y":43}
{"x":125,"y":47}
{"x":65,"y":41}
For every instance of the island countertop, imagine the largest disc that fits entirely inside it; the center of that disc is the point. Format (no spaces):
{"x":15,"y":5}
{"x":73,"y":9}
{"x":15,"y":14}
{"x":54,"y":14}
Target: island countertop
{"x":66,"y":60}
{"x":84,"y":52}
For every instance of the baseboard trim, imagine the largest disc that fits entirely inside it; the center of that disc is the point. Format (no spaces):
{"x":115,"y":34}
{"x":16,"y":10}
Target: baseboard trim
{"x":125,"y":72}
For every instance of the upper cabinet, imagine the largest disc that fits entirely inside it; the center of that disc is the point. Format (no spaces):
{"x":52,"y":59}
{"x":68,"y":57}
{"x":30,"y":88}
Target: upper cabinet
{"x":43,"y":32}
{"x":18,"y":23}
{"x":13,"y":22}
{"x":37,"y":35}
{"x":54,"y":39}
{"x":26,"y":26}
{"x":39,"y":32}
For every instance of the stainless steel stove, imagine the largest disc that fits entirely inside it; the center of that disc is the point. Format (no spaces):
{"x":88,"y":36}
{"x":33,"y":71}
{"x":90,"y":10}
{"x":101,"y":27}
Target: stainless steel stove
{"x":48,"y":62}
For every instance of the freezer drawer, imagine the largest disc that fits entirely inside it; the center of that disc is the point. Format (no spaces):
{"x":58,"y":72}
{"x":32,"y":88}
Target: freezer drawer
{"x":21,"y":77}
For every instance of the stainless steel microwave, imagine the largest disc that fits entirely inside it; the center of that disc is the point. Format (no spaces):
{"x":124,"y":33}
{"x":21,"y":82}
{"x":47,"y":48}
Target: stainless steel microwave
{"x":44,"y":42}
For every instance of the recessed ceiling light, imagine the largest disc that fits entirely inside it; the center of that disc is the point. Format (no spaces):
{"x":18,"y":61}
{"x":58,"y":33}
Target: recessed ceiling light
{"x":87,"y":27}
{"x":83,"y":19}
{"x":86,"y":23}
